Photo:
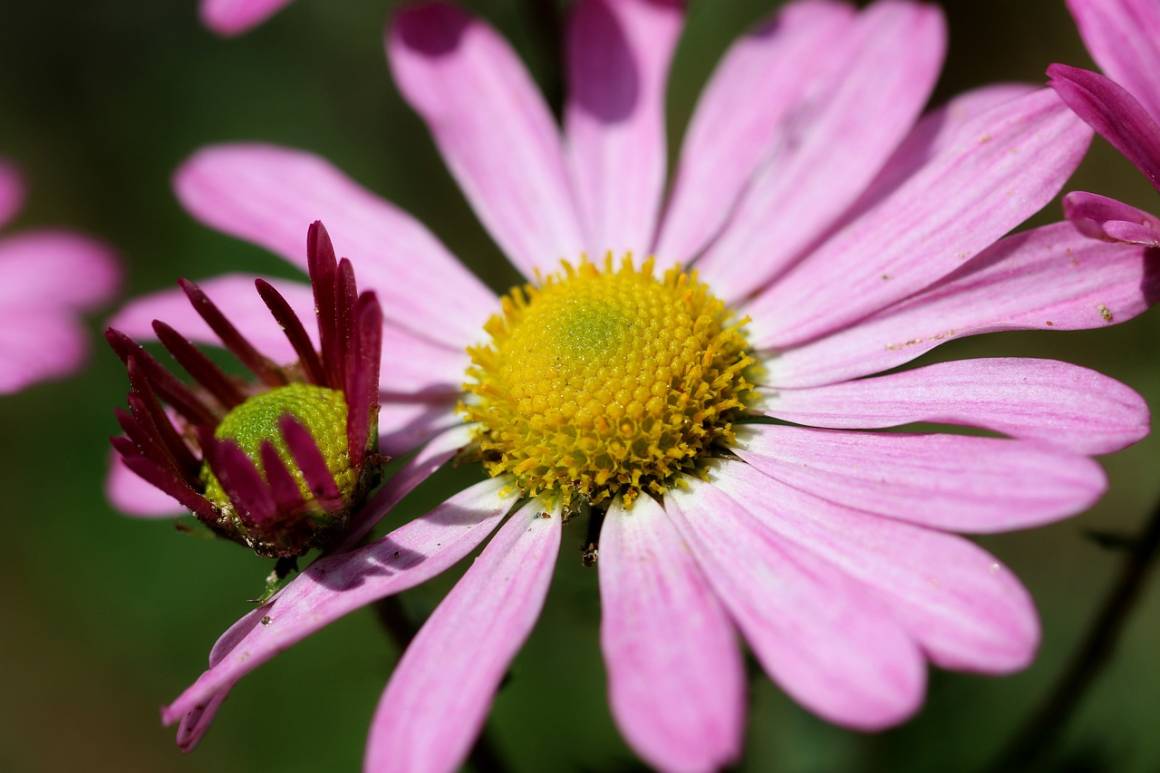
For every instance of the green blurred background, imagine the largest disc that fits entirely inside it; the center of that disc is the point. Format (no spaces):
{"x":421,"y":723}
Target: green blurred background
{"x":106,"y":617}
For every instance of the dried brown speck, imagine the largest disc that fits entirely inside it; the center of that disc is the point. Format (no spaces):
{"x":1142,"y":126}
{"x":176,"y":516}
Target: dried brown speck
{"x":1049,"y":323}
{"x":1105,"y":312}
{"x":266,"y":619}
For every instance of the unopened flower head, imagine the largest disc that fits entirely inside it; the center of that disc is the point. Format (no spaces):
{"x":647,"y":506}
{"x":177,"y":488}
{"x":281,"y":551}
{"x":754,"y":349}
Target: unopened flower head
{"x":278,"y":463}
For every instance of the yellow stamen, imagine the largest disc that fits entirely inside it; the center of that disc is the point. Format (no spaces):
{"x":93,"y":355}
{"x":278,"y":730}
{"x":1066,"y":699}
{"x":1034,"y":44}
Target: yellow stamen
{"x":603,"y":382}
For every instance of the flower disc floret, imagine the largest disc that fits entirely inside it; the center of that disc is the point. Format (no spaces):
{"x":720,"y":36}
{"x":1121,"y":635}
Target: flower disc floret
{"x":603,"y":382}
{"x":322,"y":411}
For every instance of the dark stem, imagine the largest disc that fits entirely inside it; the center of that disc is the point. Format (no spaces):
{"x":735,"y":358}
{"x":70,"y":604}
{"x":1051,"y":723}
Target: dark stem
{"x":1043,"y":728}
{"x":549,"y":31}
{"x":393,"y":617}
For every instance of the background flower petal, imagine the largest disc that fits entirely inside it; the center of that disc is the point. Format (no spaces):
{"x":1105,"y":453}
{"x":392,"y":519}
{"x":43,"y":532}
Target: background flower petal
{"x":1111,"y":221}
{"x":1114,"y":113}
{"x":1123,"y":36}
{"x":233,"y":17}
{"x":56,"y":269}
{"x":38,"y":346}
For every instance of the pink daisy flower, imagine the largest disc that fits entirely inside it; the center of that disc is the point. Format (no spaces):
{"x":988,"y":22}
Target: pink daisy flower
{"x":1123,"y":37}
{"x":234,"y":17}
{"x":833,"y":232}
{"x":48,"y":278}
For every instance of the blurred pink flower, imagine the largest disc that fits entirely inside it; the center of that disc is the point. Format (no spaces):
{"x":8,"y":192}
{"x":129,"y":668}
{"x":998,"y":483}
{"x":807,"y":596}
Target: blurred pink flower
{"x":233,"y":17}
{"x":47,"y":279}
{"x":856,"y":233}
{"x":1123,"y":37}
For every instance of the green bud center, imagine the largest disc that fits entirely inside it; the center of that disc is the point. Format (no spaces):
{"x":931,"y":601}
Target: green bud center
{"x":320,"y":410}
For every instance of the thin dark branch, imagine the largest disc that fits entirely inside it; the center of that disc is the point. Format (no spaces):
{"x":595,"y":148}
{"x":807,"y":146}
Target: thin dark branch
{"x":1041,"y":731}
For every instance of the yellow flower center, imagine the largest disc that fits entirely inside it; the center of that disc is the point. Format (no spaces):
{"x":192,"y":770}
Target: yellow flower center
{"x":320,"y":410}
{"x":600,"y":383}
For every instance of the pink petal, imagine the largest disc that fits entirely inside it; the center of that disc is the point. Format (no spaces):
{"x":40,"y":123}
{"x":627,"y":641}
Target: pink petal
{"x":955,"y":482}
{"x":1114,"y":113}
{"x":958,"y":205}
{"x":38,"y":346}
{"x":133,"y":496}
{"x":1111,"y":221}
{"x":829,"y":152}
{"x":404,"y":426}
{"x":11,"y":191}
{"x":1124,"y":38}
{"x":269,"y":195}
{"x":1051,"y":278}
{"x":934,"y":134}
{"x":618,"y":65}
{"x":337,"y":585}
{"x":238,"y":299}
{"x":432,"y":456}
{"x":44,"y":269}
{"x":762,"y":77}
{"x":964,"y":608}
{"x":412,"y":366}
{"x":492,"y":127}
{"x":1061,"y":404}
{"x":233,"y":17}
{"x":676,"y":682}
{"x":825,"y":640}
{"x":441,"y":690}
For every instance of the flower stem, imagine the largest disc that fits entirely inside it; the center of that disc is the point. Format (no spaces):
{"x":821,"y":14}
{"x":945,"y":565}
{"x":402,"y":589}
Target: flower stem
{"x":1043,"y":728}
{"x":399,"y":626}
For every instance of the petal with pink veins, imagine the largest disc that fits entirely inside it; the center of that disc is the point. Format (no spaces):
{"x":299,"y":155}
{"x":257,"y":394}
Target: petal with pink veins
{"x":268,"y":195}
{"x":959,"y":204}
{"x":233,"y":17}
{"x":954,"y":482}
{"x":1055,"y":402}
{"x":1114,"y":113}
{"x":818,"y":633}
{"x":827,"y":151}
{"x":493,"y":129}
{"x":439,"y":694}
{"x":336,"y":585}
{"x":964,"y":608}
{"x":1111,"y":221}
{"x":676,"y":682}
{"x":1050,"y":278}
{"x":735,"y":125}
{"x":1123,"y":36}
{"x":618,"y":54}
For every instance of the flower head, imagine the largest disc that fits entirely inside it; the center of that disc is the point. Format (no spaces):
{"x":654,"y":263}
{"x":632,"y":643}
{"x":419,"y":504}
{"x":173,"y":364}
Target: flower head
{"x":278,"y":464}
{"x":48,"y":278}
{"x":1124,"y":38}
{"x":709,"y":404}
